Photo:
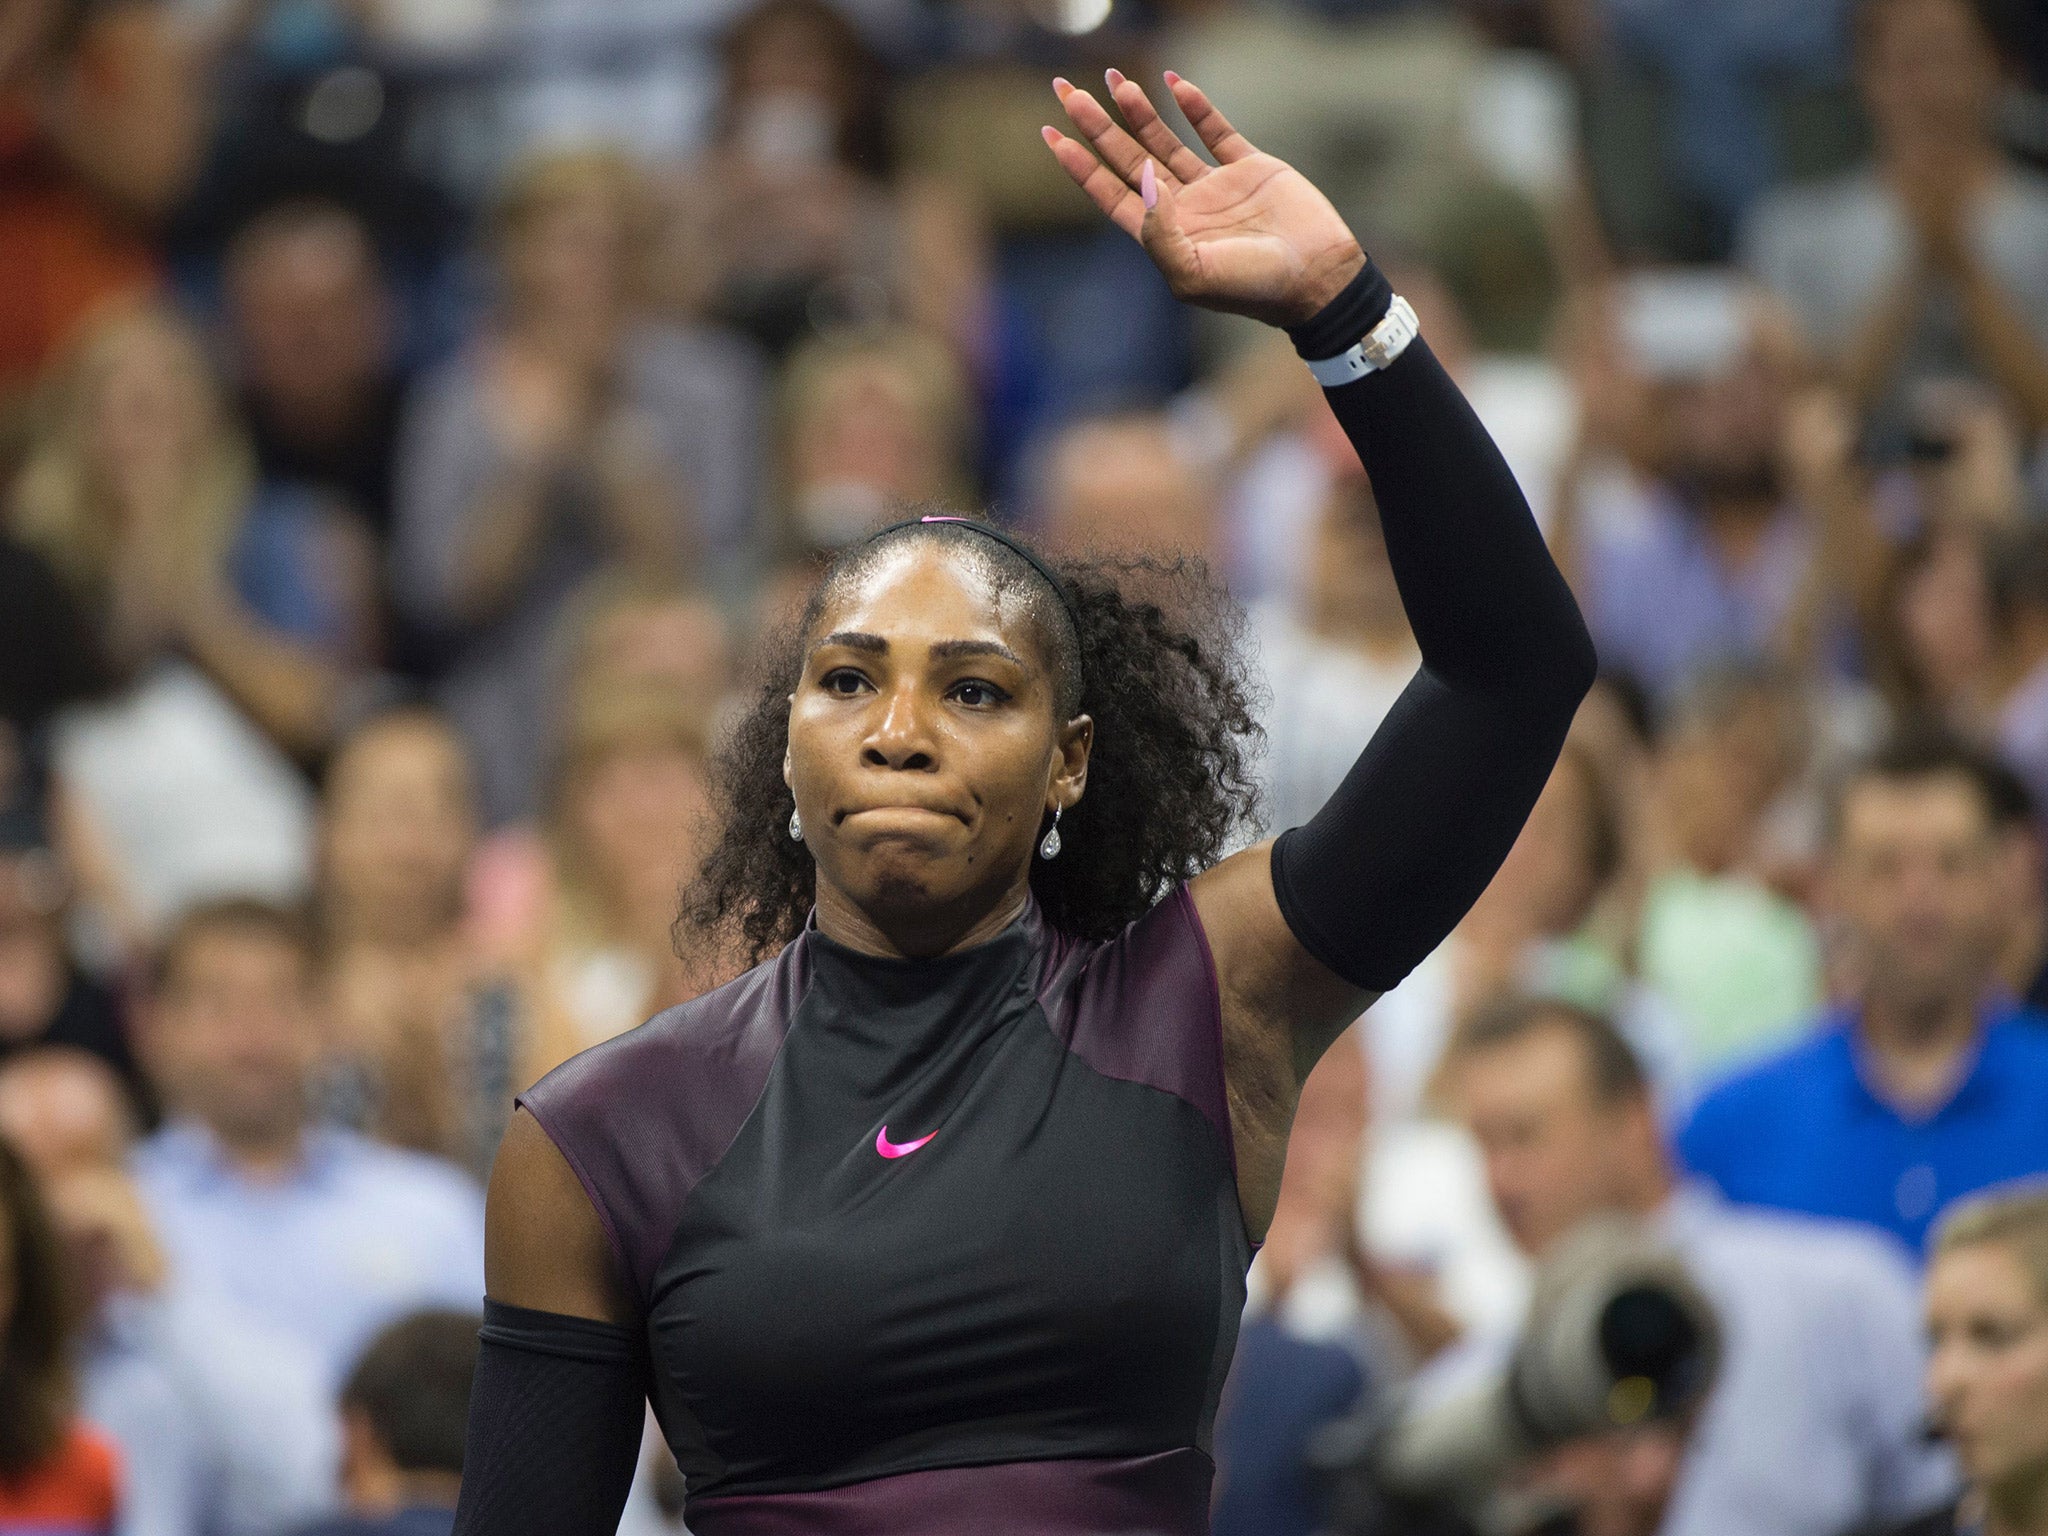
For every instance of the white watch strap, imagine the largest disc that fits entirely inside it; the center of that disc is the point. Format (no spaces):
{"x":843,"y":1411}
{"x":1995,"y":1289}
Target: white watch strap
{"x":1385,"y":342}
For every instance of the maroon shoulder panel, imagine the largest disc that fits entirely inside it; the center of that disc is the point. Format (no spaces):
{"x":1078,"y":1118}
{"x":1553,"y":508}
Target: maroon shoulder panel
{"x":642,"y":1117}
{"x":1144,"y":1007}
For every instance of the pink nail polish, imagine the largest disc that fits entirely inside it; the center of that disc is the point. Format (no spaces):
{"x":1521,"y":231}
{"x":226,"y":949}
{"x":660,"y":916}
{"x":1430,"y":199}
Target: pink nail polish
{"x":1060,"y":86}
{"x":1050,"y":134}
{"x":1148,"y":186}
{"x":1114,"y":77}
{"x":1172,"y":78}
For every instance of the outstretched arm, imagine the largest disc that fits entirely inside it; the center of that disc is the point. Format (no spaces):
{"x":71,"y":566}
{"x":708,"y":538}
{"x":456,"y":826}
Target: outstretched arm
{"x":1308,"y":930}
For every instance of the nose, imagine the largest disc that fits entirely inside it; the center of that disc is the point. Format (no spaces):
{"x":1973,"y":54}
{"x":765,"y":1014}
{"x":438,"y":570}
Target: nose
{"x":901,"y":738}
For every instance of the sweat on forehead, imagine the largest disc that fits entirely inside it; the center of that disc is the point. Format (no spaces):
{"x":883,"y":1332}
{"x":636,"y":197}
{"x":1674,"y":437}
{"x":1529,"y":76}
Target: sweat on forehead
{"x":1018,"y":589}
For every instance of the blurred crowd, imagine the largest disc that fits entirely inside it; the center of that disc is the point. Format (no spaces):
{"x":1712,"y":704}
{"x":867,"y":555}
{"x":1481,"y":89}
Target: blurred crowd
{"x":415,"y":414}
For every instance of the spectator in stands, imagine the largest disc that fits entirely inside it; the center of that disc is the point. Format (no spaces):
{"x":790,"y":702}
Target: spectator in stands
{"x":1699,"y":555}
{"x":1125,"y":484}
{"x":1739,"y":962}
{"x":796,"y":221}
{"x":1933,"y":261}
{"x":432,"y":1039}
{"x":1987,"y":1313}
{"x":868,"y":422}
{"x":1928,"y":1085}
{"x":239,"y":621}
{"x":101,"y":129}
{"x":45,"y":998}
{"x":55,"y":1474}
{"x":405,"y":1416}
{"x":575,"y":433}
{"x":1691,"y":112}
{"x":223,"y":1426}
{"x":307,"y":1228}
{"x":627,"y":824}
{"x":139,"y":490}
{"x":313,"y":339}
{"x":1814,"y":1422}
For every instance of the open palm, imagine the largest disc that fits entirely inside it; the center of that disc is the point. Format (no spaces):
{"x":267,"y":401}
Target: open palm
{"x":1249,"y":235}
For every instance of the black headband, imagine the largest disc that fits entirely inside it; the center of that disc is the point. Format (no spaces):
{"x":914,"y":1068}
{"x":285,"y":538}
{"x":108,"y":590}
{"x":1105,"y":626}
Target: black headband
{"x":1015,"y":546}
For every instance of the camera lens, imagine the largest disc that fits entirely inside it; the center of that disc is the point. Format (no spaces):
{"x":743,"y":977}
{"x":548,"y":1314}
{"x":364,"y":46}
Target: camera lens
{"x":1648,"y":1334}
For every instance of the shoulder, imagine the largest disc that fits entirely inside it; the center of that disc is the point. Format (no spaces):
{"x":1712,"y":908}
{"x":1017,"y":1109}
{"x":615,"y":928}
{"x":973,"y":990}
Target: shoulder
{"x":730,"y":1028}
{"x":1823,"y":1259}
{"x":2022,"y":1039}
{"x":1757,"y":1098}
{"x":640,"y":1118}
{"x":1144,"y":1006}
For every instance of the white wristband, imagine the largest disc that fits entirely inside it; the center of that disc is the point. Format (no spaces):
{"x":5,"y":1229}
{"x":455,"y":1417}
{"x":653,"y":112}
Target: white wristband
{"x":1385,"y":342}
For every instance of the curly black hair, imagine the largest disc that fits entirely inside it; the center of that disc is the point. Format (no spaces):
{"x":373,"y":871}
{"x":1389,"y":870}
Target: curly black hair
{"x":1153,"y":653}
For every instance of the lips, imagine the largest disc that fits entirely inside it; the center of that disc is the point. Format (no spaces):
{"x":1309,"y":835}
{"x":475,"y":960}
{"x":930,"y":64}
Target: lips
{"x":899,"y":810}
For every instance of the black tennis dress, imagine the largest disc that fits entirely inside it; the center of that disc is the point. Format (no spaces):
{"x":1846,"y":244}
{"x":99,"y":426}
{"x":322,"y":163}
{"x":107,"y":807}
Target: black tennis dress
{"x":929,"y":1245}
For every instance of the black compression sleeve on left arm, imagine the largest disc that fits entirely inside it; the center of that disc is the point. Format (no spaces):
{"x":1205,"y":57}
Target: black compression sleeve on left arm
{"x":555,"y":1416}
{"x":1385,"y":869}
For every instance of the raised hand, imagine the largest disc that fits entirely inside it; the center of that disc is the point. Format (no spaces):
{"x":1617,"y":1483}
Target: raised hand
{"x":1249,"y":235}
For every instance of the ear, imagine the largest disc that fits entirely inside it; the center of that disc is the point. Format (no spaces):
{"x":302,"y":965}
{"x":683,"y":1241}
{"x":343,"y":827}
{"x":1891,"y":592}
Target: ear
{"x":787,"y":778}
{"x":1070,"y":763}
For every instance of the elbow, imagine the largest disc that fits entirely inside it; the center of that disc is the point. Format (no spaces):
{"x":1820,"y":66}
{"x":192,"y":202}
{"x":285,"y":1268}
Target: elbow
{"x":1579,"y":661}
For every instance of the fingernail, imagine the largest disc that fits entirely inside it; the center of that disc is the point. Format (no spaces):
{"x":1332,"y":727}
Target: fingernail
{"x":1115,"y":77}
{"x":1172,"y":78}
{"x":1050,"y":134}
{"x":1061,"y":87}
{"x":1148,"y":186}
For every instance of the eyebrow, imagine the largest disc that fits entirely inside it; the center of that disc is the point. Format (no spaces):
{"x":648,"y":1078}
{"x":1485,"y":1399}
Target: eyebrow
{"x":947,"y":650}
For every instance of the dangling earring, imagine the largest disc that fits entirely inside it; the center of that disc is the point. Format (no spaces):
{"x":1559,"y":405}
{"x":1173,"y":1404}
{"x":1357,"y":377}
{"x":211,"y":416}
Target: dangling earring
{"x":1049,"y":847}
{"x":796,"y":826}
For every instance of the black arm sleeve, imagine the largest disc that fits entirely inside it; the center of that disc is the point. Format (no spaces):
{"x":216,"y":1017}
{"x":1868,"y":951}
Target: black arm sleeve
{"x":1386,"y":868}
{"x":555,"y":1416}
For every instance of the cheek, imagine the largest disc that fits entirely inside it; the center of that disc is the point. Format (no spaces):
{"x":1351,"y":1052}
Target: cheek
{"x":2023,"y":1384}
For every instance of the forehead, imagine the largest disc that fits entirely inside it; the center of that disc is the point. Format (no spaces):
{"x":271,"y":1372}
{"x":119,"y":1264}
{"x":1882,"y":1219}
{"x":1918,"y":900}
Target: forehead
{"x":1982,"y":1274}
{"x":1543,"y":1067}
{"x":1941,"y":804}
{"x":236,"y":951}
{"x":921,"y":590}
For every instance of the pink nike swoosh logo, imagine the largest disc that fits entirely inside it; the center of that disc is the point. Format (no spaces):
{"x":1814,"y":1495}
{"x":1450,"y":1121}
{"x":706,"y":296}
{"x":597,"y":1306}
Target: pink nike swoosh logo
{"x":890,"y":1148}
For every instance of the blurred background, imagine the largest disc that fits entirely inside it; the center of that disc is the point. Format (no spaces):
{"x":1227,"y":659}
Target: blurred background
{"x":415,"y":414}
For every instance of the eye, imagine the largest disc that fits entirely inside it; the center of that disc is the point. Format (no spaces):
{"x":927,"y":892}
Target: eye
{"x":844,"y":681}
{"x":977,"y":694}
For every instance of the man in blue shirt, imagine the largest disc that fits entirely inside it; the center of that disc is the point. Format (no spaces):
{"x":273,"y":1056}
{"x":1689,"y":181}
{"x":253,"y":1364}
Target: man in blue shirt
{"x":1932,"y":1085}
{"x":308,"y":1229}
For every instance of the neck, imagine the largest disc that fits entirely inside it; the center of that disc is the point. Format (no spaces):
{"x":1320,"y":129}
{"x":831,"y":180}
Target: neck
{"x":269,"y":1154}
{"x":1653,"y":1188}
{"x":1919,"y":1047}
{"x":923,"y":934}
